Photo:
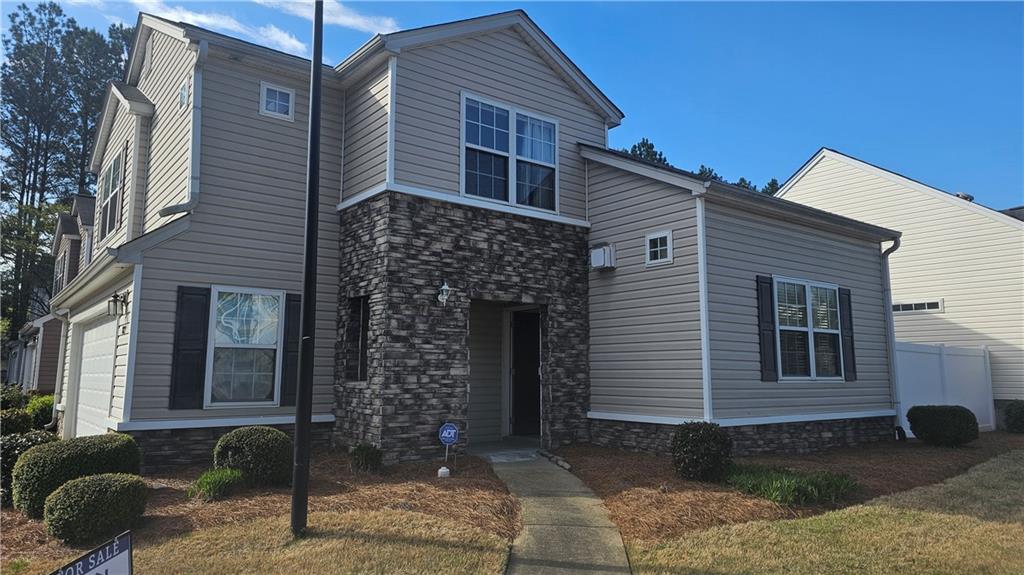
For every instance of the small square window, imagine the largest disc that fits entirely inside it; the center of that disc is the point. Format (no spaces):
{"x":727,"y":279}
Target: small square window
{"x":277,"y":102}
{"x":658,"y":248}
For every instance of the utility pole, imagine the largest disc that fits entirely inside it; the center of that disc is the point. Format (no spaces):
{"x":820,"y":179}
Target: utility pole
{"x":304,"y":393}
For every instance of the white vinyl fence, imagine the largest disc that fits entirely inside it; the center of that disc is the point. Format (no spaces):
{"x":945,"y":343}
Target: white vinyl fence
{"x":945,"y":375}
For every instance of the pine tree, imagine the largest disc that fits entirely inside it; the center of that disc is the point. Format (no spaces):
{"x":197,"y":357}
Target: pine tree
{"x":645,"y":150}
{"x":771,"y":188}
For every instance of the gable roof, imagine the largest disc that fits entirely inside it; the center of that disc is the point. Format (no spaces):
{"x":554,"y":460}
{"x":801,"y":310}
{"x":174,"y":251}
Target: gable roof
{"x":900,"y":179}
{"x":736,"y":196}
{"x":117,"y":93}
{"x":383,"y":45}
{"x":66,"y":226}
{"x":84,"y":207}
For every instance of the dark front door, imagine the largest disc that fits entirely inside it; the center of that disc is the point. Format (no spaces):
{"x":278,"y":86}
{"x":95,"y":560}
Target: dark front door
{"x":525,"y":373}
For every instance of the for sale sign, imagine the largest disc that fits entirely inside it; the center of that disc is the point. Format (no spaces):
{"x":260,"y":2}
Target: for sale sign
{"x":112,"y":558}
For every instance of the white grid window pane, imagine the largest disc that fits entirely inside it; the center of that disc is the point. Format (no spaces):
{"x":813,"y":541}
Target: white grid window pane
{"x":825,"y":308}
{"x":792,"y":304}
{"x":657,"y":248}
{"x":486,"y":125}
{"x":535,"y":139}
{"x":243,"y":375}
{"x":247,"y":319}
{"x":486,"y":175}
{"x":794,"y":354}
{"x":277,"y":101}
{"x":535,"y":185}
{"x":826,"y":354}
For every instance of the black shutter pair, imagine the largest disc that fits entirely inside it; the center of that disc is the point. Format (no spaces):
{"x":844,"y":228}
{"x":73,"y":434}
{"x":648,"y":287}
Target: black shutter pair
{"x":766,"y":329}
{"x":188,"y":365}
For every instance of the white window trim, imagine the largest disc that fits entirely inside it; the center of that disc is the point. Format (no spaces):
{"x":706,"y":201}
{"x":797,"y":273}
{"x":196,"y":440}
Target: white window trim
{"x":98,"y":215}
{"x":60,"y":272}
{"x":290,"y":116}
{"x":667,"y":234}
{"x":810,"y":330}
{"x":511,"y":154}
{"x":208,"y":402}
{"x":941,"y":301}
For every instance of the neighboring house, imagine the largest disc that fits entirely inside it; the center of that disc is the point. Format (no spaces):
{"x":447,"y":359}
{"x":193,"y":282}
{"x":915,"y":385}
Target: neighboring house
{"x":957,"y":278}
{"x":483,"y":259}
{"x":32,"y":359}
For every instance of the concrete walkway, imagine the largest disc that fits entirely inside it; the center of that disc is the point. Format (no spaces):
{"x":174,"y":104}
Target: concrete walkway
{"x":565,"y":527}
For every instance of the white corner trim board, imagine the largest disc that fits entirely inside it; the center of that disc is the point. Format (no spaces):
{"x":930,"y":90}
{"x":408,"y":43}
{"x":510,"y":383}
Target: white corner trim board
{"x":221,"y":422}
{"x":735,"y":422}
{"x":702,"y":298}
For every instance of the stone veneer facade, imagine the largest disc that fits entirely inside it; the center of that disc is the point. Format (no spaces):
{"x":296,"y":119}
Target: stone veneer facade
{"x":397,"y":250}
{"x":795,"y":437}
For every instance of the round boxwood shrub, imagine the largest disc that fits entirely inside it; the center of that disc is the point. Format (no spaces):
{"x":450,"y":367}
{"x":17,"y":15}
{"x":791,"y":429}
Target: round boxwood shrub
{"x":1014,"y":414}
{"x":15,"y":421}
{"x":95,"y":507}
{"x":263,"y":454}
{"x":11,"y":448}
{"x":11,"y":397}
{"x":945,"y":425}
{"x":44,"y":468}
{"x":40,"y":408}
{"x":701,"y":450}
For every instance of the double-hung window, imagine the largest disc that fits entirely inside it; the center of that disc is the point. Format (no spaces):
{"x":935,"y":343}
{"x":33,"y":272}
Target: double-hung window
{"x":109,"y":194}
{"x":510,"y":156}
{"x":245,"y":347}
{"x":59,"y":267}
{"x":807,"y":319}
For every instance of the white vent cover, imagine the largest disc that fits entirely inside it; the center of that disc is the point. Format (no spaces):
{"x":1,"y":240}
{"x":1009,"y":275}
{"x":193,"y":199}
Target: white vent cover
{"x":602,"y":257}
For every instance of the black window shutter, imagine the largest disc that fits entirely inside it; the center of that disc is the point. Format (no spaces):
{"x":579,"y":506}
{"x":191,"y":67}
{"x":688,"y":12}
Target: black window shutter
{"x":766,"y":328}
{"x":292,"y":339}
{"x":188,"y":366}
{"x":846,"y":331}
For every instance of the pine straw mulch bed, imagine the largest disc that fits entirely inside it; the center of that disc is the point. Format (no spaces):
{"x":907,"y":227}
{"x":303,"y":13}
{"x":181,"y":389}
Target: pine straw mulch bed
{"x":473,"y":495}
{"x":650,"y":503}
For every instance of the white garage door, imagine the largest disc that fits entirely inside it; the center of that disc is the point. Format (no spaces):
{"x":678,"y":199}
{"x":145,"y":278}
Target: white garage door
{"x":96,"y":375}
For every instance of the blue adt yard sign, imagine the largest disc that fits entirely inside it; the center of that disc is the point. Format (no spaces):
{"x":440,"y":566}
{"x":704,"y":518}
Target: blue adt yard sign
{"x":448,"y":434}
{"x":112,"y":558}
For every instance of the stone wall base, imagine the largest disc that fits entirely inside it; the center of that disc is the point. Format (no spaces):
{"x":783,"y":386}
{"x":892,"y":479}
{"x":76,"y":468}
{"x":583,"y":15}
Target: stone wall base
{"x":168,"y":448}
{"x":795,"y":437}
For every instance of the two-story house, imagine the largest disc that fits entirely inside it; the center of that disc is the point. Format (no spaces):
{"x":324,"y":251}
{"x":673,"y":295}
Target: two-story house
{"x":484,"y":259}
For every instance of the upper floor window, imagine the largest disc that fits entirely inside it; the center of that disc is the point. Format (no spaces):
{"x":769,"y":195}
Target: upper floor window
{"x":59,"y":270}
{"x":518,"y":166}
{"x":183,"y":94}
{"x":659,"y":248}
{"x":108,"y":197}
{"x":807,"y":320}
{"x":244,"y":355}
{"x":277,"y":102}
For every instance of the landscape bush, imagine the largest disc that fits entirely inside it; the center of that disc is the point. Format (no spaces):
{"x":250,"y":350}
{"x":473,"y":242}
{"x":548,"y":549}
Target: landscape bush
{"x":11,"y":448}
{"x":43,"y":468}
{"x":367,"y":457}
{"x":1014,"y":415}
{"x":944,"y":425}
{"x":216,"y":484}
{"x":11,"y":397}
{"x":95,"y":507}
{"x":263,"y":454}
{"x":15,"y":420}
{"x":787,"y":487}
{"x":40,"y":408}
{"x":701,"y":450}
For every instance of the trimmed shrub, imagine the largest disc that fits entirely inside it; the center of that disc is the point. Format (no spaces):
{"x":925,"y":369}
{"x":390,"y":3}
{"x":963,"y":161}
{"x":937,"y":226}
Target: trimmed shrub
{"x":367,"y":457}
{"x":1014,"y":414}
{"x":216,"y":484}
{"x":787,"y":487}
{"x":263,"y":454}
{"x":11,"y":448}
{"x":40,"y":408}
{"x":15,"y":421}
{"x":95,"y":507}
{"x":11,"y":397}
{"x":44,"y":468}
{"x":945,"y":425}
{"x":701,"y":450}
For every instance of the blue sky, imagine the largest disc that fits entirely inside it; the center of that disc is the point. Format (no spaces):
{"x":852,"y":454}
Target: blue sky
{"x":934,"y":91}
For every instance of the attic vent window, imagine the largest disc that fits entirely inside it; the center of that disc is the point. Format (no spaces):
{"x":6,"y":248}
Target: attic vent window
{"x":925,"y":306}
{"x":277,"y":102}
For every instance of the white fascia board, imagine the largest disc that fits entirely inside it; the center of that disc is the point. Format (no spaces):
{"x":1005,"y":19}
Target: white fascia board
{"x":103,"y":127}
{"x":694,"y":186}
{"x":154,"y":424}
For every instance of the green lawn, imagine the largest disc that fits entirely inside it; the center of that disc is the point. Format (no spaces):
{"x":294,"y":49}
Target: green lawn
{"x":973,"y":523}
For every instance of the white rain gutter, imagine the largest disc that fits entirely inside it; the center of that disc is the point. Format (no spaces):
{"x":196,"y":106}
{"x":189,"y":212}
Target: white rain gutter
{"x":891,"y":327}
{"x":202,"y":50}
{"x":58,"y":396}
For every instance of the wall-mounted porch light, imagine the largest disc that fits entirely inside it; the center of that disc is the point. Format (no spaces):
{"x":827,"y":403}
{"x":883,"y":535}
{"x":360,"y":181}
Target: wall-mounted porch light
{"x":443,"y":293}
{"x":117,"y":305}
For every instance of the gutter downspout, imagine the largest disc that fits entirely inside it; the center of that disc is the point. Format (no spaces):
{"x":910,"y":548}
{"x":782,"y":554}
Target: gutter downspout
{"x":58,"y":396}
{"x":891,"y":328}
{"x":202,"y":51}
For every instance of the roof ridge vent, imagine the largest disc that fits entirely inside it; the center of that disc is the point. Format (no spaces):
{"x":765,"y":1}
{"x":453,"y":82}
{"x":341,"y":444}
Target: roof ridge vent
{"x":965,"y":196}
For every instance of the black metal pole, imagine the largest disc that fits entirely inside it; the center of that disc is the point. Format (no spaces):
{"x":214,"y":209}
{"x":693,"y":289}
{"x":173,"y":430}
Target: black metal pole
{"x":304,"y":393}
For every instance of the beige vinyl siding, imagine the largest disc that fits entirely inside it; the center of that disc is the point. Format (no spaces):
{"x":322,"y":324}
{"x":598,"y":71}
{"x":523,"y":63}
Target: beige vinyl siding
{"x":741,"y":246}
{"x":121,"y":141}
{"x":170,"y":129}
{"x":48,"y":350}
{"x":499,"y":66}
{"x":366,"y":132}
{"x":247,"y":229}
{"x":973,"y":262}
{"x":645,"y":354}
{"x":484,"y":371}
